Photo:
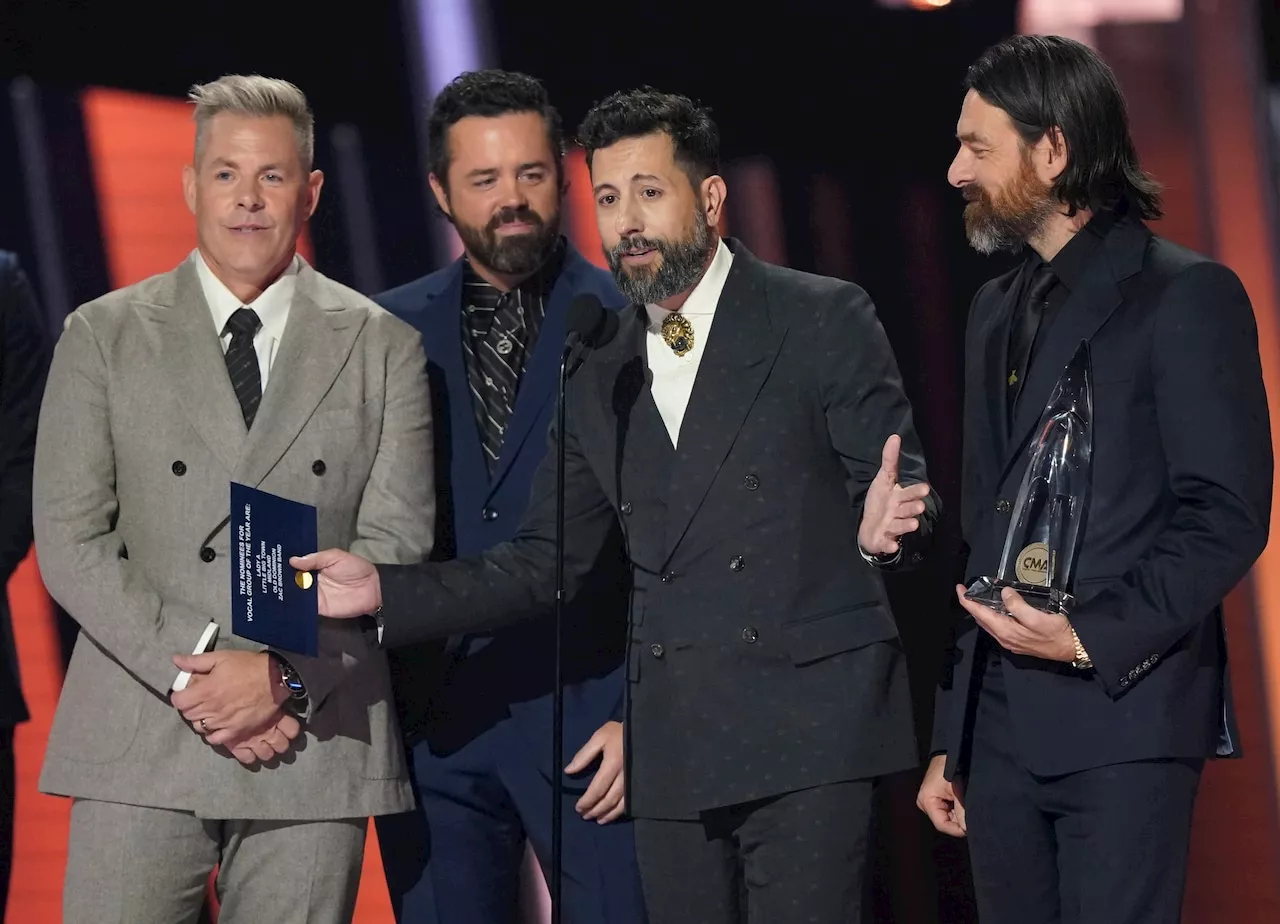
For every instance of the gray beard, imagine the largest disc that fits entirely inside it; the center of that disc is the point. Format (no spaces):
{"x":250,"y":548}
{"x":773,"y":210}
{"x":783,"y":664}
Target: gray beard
{"x":683,"y":263}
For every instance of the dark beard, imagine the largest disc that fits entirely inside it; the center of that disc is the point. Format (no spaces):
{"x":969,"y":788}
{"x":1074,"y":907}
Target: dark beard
{"x":514,"y":255}
{"x":680,"y":268}
{"x":1012,"y":217}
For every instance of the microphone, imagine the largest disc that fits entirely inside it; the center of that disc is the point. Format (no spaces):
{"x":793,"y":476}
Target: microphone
{"x":588,"y":324}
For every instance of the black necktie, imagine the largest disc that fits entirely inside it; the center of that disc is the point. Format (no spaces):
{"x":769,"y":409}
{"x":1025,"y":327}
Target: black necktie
{"x":242,"y":361}
{"x":1026,"y":324}
{"x":499,"y":341}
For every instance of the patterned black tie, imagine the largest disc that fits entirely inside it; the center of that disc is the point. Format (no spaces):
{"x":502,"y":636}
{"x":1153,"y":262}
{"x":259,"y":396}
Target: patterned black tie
{"x":242,"y":361}
{"x":499,"y":350}
{"x":1026,"y":324}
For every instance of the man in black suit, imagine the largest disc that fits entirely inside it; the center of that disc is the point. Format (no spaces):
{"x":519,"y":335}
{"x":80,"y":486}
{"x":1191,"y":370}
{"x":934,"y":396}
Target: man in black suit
{"x":24,"y":363}
{"x":748,"y":428}
{"x":1080,"y":738}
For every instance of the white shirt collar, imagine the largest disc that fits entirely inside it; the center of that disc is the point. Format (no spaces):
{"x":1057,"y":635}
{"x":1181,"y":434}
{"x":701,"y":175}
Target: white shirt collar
{"x":272,"y":305}
{"x":705,"y":296}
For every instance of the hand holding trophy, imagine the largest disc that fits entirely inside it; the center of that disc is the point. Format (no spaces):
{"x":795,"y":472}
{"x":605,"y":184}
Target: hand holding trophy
{"x":1035,"y":578}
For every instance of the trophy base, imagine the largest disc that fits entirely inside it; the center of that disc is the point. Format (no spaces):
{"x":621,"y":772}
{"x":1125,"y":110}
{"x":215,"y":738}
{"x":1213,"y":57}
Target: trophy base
{"x":987,"y":592}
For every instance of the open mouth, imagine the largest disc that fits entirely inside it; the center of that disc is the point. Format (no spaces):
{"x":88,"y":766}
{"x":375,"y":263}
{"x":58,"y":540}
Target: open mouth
{"x":247,"y":229}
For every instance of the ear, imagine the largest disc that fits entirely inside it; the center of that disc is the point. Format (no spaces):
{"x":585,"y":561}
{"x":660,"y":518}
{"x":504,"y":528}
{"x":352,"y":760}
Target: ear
{"x":1050,"y":155}
{"x":314,"y":183}
{"x":441,"y":194}
{"x":714,"y":193}
{"x":189,"y":187}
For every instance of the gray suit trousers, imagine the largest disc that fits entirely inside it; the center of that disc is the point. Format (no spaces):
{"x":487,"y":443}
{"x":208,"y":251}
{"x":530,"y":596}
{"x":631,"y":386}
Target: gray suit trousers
{"x":133,"y":865}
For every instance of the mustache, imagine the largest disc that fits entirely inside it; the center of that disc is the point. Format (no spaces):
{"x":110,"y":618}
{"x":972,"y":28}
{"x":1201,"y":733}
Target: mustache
{"x":973,"y":193}
{"x":636,"y":243}
{"x":511,"y":215}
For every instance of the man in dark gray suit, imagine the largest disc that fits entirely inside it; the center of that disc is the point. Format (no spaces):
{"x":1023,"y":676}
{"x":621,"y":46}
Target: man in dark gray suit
{"x":24,"y":363}
{"x":748,"y":428}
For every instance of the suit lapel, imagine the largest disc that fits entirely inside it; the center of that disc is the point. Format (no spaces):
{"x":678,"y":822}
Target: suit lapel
{"x":195,"y":365}
{"x":741,"y":350}
{"x":996,"y":362}
{"x":1089,"y":306}
{"x":441,"y":330}
{"x":613,"y":380}
{"x":316,"y":343}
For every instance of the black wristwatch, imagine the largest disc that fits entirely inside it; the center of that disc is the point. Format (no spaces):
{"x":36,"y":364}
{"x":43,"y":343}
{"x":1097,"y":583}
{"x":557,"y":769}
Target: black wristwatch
{"x":289,"y":678}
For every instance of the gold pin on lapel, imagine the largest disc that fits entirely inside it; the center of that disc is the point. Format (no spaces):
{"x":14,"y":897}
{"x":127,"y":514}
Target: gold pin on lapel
{"x":1013,"y":377}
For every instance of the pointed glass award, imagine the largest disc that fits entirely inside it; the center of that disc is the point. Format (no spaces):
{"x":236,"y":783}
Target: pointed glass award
{"x":1040,"y":546}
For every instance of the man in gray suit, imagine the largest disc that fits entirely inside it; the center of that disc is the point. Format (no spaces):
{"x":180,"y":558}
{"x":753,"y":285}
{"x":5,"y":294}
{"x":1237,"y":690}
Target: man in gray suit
{"x":242,"y":364}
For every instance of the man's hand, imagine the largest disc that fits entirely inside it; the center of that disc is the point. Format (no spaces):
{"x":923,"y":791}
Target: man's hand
{"x":1025,"y":630}
{"x":890,"y":510}
{"x":267,"y":742}
{"x":347,"y":585}
{"x":232,"y":694}
{"x":941,"y":801}
{"x":606,"y":798}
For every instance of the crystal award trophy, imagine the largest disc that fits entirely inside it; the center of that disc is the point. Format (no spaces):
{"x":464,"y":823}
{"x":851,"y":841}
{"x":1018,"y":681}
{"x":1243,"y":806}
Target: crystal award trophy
{"x":1044,"y":530}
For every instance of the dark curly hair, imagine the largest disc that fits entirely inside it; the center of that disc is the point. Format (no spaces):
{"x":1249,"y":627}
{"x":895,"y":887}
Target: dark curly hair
{"x":1047,"y":81}
{"x":636,"y":113}
{"x":490,"y":92}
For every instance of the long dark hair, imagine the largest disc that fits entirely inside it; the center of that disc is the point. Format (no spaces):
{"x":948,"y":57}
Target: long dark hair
{"x":1047,"y":81}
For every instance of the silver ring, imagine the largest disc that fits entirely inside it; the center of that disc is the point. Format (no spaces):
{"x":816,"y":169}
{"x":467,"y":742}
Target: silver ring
{"x":203,"y":726}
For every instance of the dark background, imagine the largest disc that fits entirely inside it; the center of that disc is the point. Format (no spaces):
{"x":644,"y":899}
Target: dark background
{"x":841,"y":93}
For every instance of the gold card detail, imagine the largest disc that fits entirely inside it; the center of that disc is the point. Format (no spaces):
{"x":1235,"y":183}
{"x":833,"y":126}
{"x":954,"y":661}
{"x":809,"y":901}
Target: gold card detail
{"x":677,"y":333}
{"x":1033,"y":565}
{"x":303,"y":579}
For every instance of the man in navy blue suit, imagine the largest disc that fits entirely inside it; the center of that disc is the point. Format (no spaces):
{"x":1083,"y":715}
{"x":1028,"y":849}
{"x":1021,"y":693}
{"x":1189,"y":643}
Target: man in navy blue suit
{"x":477,"y":710}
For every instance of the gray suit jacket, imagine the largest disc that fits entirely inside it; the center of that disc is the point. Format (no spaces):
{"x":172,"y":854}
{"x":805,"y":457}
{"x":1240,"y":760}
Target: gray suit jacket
{"x":139,"y":385}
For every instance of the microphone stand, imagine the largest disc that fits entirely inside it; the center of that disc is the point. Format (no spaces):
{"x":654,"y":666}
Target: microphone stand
{"x":557,"y":716}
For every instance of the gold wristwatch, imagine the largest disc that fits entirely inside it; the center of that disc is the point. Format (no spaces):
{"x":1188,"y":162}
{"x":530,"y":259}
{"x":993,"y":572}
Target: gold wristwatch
{"x":1081,"y":661}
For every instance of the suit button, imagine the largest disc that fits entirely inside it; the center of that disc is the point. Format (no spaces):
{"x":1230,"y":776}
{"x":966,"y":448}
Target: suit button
{"x":656,"y":650}
{"x":489,"y":514}
{"x":749,"y":634}
{"x":318,"y":466}
{"x":179,"y":468}
{"x":736,"y":563}
{"x":1003,"y":506}
{"x":626,"y":508}
{"x":207,"y":554}
{"x":668,"y":577}
{"x":751,"y":482}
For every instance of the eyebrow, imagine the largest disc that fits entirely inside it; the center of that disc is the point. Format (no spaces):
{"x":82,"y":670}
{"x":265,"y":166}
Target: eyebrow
{"x":527,"y":165}
{"x":972,"y":137}
{"x":637,"y":178}
{"x":224,"y":162}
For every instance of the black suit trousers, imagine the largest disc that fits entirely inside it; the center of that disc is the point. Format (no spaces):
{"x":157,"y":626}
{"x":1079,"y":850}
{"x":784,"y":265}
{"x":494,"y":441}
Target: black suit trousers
{"x":1101,"y":846}
{"x":799,"y":858}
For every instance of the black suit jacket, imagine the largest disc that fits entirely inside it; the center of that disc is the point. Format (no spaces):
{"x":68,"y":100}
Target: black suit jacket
{"x":1180,"y":506}
{"x":24,"y":363}
{"x":763,"y":657}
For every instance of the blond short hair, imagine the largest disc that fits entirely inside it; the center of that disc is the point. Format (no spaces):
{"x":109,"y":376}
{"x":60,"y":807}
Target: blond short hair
{"x":254,"y":95}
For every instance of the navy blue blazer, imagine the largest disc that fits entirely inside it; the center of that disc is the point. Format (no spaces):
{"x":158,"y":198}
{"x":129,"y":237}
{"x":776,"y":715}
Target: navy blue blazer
{"x":448,"y":697}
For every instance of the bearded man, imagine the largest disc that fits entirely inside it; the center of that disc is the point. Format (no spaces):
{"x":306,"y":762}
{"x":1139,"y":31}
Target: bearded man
{"x":748,"y":428}
{"x":477,"y":708}
{"x":1068,"y":745}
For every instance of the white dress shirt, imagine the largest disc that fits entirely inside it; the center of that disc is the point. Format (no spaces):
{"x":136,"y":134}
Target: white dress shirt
{"x":272,"y":307}
{"x":673,"y":375}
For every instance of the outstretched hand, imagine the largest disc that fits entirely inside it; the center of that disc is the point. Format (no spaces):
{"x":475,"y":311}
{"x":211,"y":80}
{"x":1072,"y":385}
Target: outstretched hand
{"x":347,"y":586}
{"x":890,"y":510}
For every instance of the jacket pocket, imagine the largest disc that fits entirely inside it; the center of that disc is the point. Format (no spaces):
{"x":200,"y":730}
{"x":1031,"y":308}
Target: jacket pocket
{"x":813,"y":637}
